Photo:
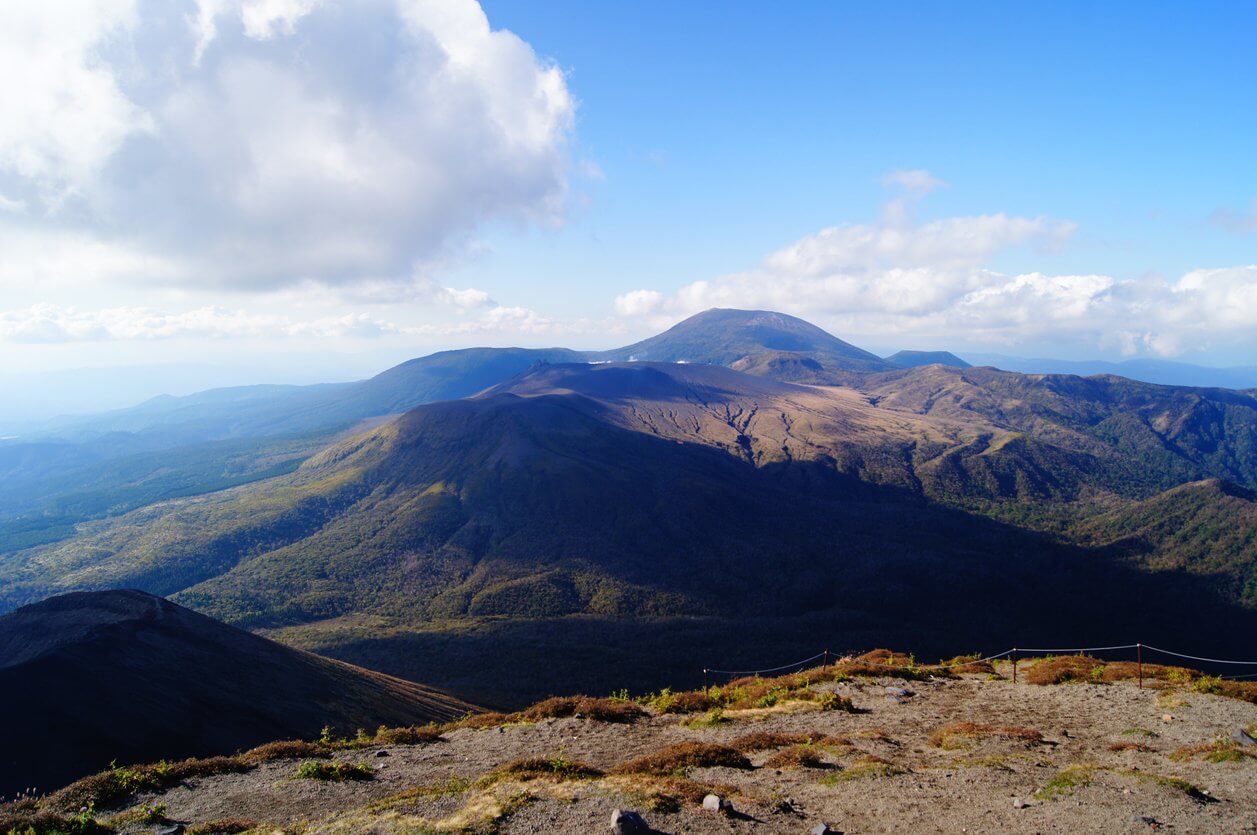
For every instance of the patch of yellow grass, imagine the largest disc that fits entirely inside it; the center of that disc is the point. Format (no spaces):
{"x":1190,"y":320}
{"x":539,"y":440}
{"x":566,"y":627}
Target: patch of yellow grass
{"x":750,"y":714}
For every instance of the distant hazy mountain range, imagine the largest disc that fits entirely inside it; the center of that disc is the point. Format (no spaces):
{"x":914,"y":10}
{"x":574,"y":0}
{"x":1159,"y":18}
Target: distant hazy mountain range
{"x":1150,"y":371}
{"x":541,"y":506}
{"x":914,"y":359}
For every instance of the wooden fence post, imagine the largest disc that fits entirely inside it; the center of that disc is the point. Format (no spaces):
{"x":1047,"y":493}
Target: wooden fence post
{"x":1014,"y":665}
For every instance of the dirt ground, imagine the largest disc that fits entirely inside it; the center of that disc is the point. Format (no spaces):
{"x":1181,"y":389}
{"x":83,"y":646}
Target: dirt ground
{"x":1071,"y":781}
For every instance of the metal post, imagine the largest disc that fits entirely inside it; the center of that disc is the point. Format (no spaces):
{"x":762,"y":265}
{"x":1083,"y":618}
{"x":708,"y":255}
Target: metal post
{"x":1014,"y":665}
{"x":1139,"y":654}
{"x":704,"y":680}
{"x":826,"y":664}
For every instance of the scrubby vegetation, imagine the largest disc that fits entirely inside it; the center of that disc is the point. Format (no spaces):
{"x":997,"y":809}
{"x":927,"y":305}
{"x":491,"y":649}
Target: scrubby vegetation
{"x":1066,"y":781}
{"x":660,"y":779}
{"x":1218,"y":751}
{"x":334,"y":771}
{"x":765,"y":740}
{"x":119,"y":783}
{"x":678,"y":759}
{"x":556,"y":767}
{"x":1138,"y":747}
{"x":600,"y":710}
{"x":1063,"y":669}
{"x":798,"y":756}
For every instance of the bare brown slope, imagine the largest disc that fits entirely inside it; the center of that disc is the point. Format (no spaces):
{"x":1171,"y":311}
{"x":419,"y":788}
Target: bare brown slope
{"x":87,"y":678}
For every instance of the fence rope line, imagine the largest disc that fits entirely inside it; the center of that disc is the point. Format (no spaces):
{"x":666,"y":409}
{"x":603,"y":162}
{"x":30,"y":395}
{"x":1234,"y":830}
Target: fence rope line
{"x":1198,"y":658}
{"x":769,"y":669}
{"x":1079,"y":649}
{"x":973,"y":661}
{"x":837,"y":658}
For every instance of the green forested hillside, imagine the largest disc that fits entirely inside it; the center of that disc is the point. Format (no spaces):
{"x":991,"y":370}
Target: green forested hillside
{"x":663,"y":490}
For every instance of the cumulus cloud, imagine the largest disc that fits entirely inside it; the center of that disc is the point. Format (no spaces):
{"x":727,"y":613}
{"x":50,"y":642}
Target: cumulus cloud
{"x":52,"y":324}
{"x":639,"y":302}
{"x":259,"y":143}
{"x":932,"y":282}
{"x":47,"y":323}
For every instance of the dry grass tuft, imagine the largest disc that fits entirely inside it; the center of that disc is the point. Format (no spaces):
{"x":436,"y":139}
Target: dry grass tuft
{"x":600,"y":710}
{"x":962,"y":664}
{"x":764,"y":740}
{"x":1069,"y":778}
{"x":413,"y":735}
{"x":334,"y":772}
{"x":1132,"y":746}
{"x":1242,"y":690}
{"x":691,"y":701}
{"x":962,"y":734}
{"x":1060,"y":669}
{"x":293,"y":749}
{"x":27,"y":820}
{"x":479,"y":721}
{"x":557,"y":768}
{"x":1129,"y":671}
{"x":120,"y":783}
{"x":799,"y":756}
{"x":1218,"y":751}
{"x":677,"y":759}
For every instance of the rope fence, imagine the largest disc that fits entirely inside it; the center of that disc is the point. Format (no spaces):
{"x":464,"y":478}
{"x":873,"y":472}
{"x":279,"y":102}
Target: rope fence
{"x":1011,"y":653}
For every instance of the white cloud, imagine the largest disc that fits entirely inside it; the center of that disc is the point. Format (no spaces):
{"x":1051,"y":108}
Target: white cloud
{"x":931,"y":282}
{"x":948,"y":243}
{"x":52,"y":324}
{"x":63,"y":113}
{"x":639,"y":303}
{"x":261,"y":143}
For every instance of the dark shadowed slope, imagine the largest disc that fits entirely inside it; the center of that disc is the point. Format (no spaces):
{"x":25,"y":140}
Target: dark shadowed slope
{"x":728,"y":337}
{"x":913,"y":359}
{"x":87,"y":678}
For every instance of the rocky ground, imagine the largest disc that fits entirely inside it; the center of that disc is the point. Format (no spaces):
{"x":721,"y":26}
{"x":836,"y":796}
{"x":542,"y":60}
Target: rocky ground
{"x":1075,"y":757}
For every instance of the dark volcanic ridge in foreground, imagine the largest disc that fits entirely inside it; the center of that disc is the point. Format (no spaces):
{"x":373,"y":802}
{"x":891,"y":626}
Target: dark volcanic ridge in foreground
{"x":877,"y":742}
{"x":88,"y":678}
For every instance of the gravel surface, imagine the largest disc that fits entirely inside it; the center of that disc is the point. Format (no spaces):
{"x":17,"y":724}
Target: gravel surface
{"x":990,"y":784}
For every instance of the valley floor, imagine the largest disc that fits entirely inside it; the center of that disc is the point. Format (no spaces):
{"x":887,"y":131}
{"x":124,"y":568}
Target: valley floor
{"x":1103,"y":764}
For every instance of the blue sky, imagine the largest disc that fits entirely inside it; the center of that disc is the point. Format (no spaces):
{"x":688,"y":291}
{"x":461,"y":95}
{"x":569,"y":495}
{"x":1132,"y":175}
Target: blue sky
{"x":340,"y":184}
{"x":1134,"y":120}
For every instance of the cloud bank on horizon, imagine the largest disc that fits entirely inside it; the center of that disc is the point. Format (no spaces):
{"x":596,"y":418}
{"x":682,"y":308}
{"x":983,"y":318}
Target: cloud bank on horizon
{"x":287,"y":169}
{"x":932,"y":281}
